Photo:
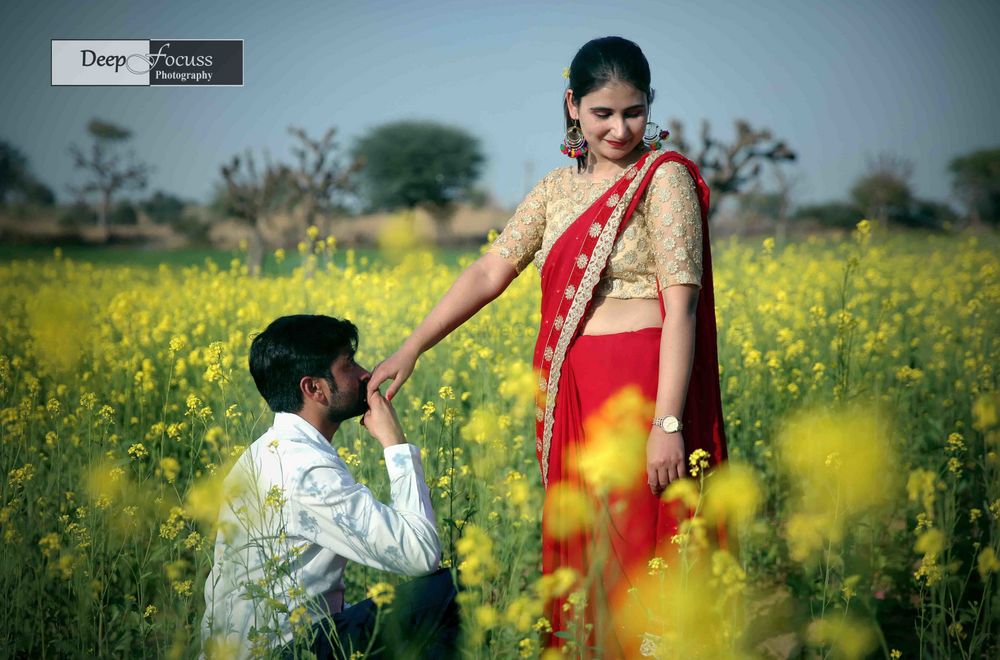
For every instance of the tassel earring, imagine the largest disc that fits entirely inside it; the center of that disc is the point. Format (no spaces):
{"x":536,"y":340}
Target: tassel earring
{"x":653,"y":137}
{"x":574,"y":144}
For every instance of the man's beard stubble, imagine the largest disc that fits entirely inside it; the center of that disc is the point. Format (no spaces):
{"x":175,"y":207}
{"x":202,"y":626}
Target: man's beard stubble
{"x":344,"y":407}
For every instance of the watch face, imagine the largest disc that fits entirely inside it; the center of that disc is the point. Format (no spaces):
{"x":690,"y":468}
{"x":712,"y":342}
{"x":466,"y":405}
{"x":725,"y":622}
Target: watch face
{"x":670,"y":424}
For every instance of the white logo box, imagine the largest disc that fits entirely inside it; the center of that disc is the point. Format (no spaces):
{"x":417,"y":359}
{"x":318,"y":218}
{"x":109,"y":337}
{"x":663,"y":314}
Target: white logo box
{"x":99,"y":62}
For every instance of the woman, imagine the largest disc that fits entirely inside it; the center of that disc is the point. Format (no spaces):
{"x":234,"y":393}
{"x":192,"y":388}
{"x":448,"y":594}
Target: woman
{"x":621,"y":240}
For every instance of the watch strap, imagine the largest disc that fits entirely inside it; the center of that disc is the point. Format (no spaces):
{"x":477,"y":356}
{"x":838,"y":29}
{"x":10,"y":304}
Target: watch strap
{"x":658,"y":421}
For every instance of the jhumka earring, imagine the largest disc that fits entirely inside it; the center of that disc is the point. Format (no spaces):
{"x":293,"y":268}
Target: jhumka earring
{"x":653,"y":137}
{"x":574,"y":144}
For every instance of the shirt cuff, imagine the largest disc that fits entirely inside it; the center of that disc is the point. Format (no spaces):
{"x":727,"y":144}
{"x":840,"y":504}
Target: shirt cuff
{"x":401,"y":460}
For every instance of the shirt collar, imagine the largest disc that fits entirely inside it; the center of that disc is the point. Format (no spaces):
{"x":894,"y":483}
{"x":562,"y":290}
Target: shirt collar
{"x":292,"y":427}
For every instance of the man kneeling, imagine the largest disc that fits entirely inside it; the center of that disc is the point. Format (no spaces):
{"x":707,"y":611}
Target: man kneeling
{"x":294,"y":516}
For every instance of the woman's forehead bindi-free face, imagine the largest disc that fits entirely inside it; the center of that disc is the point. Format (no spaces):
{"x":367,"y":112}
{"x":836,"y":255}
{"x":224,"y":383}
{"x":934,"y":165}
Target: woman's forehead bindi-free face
{"x":613,"y":97}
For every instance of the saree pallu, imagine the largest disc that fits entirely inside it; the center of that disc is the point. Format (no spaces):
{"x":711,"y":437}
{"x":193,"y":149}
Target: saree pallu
{"x":577,"y":373}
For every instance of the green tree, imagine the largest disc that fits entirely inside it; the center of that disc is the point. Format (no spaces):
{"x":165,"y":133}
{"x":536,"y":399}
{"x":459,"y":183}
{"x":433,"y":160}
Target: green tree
{"x":163,"y":208}
{"x":123,"y":213}
{"x":976,"y":181}
{"x":418,"y":163}
{"x":183,"y":217}
{"x":17,"y":183}
{"x":13,"y":170}
{"x":109,"y":170}
{"x":931,"y":215}
{"x":38,"y":194}
{"x":830,"y":214}
{"x":883,"y":193}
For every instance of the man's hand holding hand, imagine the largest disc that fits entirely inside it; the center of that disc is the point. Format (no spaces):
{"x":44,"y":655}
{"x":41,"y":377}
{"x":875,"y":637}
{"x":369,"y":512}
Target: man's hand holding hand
{"x":381,"y":421}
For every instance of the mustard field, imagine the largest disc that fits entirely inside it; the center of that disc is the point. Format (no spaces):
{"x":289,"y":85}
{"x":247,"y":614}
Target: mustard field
{"x":861,"y":501}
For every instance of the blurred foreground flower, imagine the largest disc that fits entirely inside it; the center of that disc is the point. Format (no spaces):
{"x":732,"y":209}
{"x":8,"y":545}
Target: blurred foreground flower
{"x":841,"y":465}
{"x":732,"y":494}
{"x":111,"y":488}
{"x":849,"y":638}
{"x":475,"y":552}
{"x":692,"y":613}
{"x":987,"y":563}
{"x":568,"y":510}
{"x":557,"y":583}
{"x":986,"y":411}
{"x":614,"y":456}
{"x":207,"y":495}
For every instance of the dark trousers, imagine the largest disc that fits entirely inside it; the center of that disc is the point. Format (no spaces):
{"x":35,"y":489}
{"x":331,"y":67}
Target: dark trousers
{"x":421,"y":622}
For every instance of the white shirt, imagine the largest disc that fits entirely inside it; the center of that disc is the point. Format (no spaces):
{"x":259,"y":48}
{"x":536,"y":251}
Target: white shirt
{"x":292,"y":518}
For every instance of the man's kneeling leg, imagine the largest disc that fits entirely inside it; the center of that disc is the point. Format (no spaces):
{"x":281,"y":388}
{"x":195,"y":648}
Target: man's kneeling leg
{"x":421,"y":622}
{"x":424,"y":620}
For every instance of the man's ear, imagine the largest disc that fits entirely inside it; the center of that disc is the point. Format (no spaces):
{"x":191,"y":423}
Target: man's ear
{"x":312,"y":390}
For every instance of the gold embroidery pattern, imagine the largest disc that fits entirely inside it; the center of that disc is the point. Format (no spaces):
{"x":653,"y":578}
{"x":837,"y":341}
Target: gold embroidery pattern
{"x":602,"y":251}
{"x":673,"y":224}
{"x":569,"y":196}
{"x":522,"y":237}
{"x":668,"y":218}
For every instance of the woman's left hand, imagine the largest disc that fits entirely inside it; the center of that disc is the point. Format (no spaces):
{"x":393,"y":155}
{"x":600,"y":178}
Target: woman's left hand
{"x":664,"y":459}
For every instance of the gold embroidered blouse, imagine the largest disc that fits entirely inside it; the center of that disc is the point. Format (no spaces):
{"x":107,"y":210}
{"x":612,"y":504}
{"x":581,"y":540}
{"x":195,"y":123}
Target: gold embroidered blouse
{"x":662,"y":239}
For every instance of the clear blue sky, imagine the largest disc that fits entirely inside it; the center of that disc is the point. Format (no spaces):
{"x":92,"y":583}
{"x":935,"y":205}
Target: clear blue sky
{"x":837,"y":80}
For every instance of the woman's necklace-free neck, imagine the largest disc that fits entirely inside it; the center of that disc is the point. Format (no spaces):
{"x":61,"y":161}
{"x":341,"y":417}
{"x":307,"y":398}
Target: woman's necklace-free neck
{"x":590,"y":173}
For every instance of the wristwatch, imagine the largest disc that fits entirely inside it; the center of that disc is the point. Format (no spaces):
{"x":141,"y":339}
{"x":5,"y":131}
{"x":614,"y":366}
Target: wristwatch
{"x":670,"y":424}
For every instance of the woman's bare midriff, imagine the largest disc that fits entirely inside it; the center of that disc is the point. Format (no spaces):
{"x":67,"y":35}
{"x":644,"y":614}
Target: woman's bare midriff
{"x":608,"y":316}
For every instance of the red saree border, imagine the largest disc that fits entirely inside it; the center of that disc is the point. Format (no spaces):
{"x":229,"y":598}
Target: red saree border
{"x":570,"y":274}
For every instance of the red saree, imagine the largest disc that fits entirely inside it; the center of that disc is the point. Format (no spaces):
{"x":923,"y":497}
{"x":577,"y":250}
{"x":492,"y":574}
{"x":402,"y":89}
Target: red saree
{"x":577,"y":373}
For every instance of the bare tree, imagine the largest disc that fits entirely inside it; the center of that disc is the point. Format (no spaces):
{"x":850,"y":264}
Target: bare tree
{"x":254,"y":195}
{"x":728,"y":168}
{"x":320,"y":176}
{"x":109,"y":170}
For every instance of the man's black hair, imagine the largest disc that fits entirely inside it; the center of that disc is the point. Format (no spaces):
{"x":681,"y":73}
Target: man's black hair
{"x":295,"y":346}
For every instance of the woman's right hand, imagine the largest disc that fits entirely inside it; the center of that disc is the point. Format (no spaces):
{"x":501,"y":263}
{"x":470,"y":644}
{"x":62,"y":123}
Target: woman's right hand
{"x":396,"y":367}
{"x":485,"y":279}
